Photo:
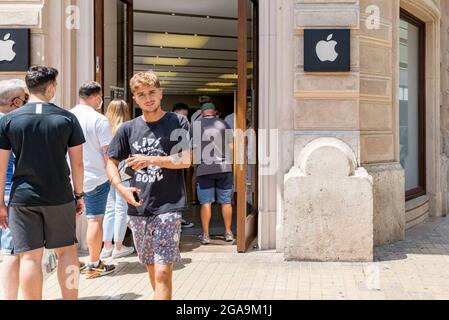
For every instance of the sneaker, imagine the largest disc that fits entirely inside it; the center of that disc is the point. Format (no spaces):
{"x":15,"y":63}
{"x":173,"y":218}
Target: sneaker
{"x":229,"y":237}
{"x":106,"y":253}
{"x":124,"y":252}
{"x":203,"y":239}
{"x":100,"y":271}
{"x":83,"y":266}
{"x":186,"y":225}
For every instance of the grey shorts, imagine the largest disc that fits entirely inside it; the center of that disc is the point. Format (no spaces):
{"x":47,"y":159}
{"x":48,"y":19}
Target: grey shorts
{"x":157,"y":238}
{"x":38,"y":227}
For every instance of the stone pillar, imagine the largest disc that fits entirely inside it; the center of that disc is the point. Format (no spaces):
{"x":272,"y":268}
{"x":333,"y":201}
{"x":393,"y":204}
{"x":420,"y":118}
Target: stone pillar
{"x":445,"y":105}
{"x":59,"y":49}
{"x":379,"y":116}
{"x":328,"y":206}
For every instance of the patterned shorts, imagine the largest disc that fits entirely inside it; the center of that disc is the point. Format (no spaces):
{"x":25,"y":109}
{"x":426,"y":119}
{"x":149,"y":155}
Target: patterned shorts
{"x":157,"y":238}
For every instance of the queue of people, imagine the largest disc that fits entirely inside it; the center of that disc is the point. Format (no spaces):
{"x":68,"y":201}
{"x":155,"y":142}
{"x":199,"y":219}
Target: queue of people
{"x":56,"y":165}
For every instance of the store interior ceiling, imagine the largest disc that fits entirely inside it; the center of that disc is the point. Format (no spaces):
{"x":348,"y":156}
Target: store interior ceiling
{"x":192,"y":45}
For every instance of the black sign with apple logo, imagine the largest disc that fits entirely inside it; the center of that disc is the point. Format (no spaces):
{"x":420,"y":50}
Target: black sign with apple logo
{"x":327,"y":50}
{"x":14,"y":50}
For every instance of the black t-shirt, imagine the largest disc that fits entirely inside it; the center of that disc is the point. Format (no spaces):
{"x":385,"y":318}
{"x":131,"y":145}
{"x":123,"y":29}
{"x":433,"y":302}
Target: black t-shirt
{"x":163,"y":190}
{"x":39,"y":135}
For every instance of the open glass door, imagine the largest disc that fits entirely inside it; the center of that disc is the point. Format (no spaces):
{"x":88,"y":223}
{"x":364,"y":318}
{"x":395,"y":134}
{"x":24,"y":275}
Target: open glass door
{"x":114,"y":48}
{"x":246,"y":149}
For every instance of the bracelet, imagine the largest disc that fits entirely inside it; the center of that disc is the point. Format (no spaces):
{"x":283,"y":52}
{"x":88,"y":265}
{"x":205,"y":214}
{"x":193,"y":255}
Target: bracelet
{"x":79,"y":196}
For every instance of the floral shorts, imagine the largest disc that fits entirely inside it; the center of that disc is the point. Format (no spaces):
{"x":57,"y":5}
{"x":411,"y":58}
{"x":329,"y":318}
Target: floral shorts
{"x":157,"y":238}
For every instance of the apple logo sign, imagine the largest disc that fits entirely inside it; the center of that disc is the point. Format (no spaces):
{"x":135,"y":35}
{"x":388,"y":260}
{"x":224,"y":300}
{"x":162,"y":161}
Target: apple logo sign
{"x":6,"y":49}
{"x":325,"y":50}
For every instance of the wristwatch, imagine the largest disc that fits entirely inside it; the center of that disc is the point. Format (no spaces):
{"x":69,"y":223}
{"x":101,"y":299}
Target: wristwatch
{"x":79,"y":196}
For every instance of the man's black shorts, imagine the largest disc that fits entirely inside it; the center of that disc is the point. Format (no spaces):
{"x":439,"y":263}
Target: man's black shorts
{"x":38,"y":227}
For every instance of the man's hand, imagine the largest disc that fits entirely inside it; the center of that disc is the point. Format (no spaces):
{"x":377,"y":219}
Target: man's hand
{"x":128,"y":195}
{"x":79,"y":207}
{"x":139,"y":161}
{"x":3,"y":217}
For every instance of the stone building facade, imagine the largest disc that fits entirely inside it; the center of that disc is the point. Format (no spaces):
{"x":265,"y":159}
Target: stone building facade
{"x":341,"y":132}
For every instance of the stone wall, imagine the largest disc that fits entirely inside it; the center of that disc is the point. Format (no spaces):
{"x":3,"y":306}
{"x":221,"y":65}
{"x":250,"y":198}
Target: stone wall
{"x":23,"y":14}
{"x":53,"y":41}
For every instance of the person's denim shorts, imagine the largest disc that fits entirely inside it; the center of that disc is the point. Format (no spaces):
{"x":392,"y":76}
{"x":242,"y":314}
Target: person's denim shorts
{"x":215,"y":188}
{"x":96,"y":201}
{"x":6,"y":243}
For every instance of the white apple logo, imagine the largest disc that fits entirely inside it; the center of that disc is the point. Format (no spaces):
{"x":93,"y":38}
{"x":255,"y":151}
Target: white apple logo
{"x":6,"y":49}
{"x":325,"y":50}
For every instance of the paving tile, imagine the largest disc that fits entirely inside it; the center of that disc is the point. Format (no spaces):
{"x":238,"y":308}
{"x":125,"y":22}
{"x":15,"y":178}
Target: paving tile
{"x":415,"y":269}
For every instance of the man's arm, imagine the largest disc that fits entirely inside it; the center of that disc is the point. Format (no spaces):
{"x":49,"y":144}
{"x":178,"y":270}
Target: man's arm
{"x":113,"y":173}
{"x":4,"y":158}
{"x":105,"y":154}
{"x":77,"y":165}
{"x":176,"y":162}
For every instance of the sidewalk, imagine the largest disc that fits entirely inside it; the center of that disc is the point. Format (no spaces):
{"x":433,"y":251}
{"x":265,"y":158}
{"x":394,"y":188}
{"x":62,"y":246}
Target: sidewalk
{"x":417,"y":268}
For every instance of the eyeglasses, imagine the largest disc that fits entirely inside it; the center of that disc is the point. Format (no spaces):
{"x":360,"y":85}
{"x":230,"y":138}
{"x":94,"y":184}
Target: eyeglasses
{"x":24,"y":101}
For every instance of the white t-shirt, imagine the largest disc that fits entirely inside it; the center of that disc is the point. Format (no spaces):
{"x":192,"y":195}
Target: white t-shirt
{"x":197,"y":116}
{"x":230,"y":120}
{"x":98,"y":133}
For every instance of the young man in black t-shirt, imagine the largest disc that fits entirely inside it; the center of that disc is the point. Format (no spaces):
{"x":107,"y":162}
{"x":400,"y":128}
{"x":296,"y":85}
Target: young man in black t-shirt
{"x":157,"y":147}
{"x":42,"y":203}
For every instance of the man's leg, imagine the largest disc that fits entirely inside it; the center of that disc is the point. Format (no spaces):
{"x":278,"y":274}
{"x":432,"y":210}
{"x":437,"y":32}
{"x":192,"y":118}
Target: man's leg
{"x":225,"y":192}
{"x":163,"y":278}
{"x":206,"y":215}
{"x":11,"y":267}
{"x":96,"y":202}
{"x":226,"y":210}
{"x":31,"y":277}
{"x":10,"y":276}
{"x":94,"y":238}
{"x":68,"y":272}
{"x":206,"y":197}
{"x":150,"y":269}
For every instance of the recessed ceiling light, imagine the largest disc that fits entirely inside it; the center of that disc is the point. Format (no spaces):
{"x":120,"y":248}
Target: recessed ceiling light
{"x":209,"y":90}
{"x":221,"y":84}
{"x":168,"y":74}
{"x":229,"y":76}
{"x":176,"y":41}
{"x":166,"y":61}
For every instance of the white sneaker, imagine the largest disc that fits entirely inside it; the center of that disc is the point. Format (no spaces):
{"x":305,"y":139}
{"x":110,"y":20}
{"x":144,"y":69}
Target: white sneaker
{"x":203,"y":239}
{"x":229,"y":237}
{"x":105,"y":254}
{"x":126,"y":251}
